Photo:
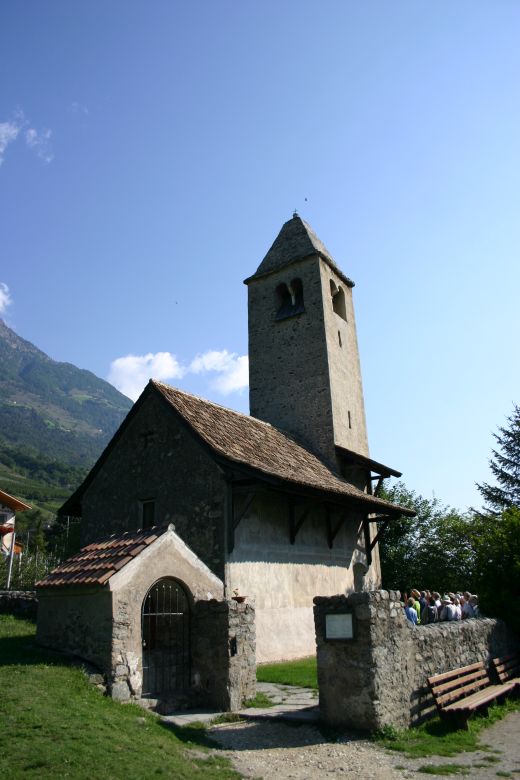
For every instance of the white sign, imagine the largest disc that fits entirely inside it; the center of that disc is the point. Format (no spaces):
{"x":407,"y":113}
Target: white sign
{"x":339,"y":626}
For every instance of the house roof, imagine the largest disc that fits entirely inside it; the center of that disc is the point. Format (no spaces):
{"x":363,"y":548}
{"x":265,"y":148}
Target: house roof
{"x":13,"y":503}
{"x":238,"y":439}
{"x":295,"y":241}
{"x":97,"y":562}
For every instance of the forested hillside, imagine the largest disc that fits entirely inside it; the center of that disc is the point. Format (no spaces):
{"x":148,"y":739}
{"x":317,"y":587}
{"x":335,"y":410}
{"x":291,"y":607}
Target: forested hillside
{"x":55,"y":419}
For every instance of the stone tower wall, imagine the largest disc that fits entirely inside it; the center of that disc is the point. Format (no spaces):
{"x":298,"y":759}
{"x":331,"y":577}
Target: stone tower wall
{"x":304,"y":370}
{"x":346,"y":389}
{"x":288,"y":370}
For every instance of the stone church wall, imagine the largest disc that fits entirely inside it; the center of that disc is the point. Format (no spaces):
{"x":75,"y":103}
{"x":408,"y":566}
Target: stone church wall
{"x":283,"y":578}
{"x":158,"y":459}
{"x":379,"y":677}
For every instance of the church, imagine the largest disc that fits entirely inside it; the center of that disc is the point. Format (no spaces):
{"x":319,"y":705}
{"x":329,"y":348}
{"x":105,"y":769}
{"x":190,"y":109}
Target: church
{"x":278,"y":506}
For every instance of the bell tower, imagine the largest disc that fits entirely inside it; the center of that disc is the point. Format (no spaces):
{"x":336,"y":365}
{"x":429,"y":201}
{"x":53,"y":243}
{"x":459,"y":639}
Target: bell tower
{"x":304,"y":370}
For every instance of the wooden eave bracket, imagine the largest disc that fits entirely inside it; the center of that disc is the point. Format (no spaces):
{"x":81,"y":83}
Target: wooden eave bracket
{"x":384,"y":520}
{"x":371,"y":543}
{"x":296,"y":524}
{"x":244,"y":510}
{"x":332,"y":531}
{"x":379,"y":478}
{"x":234,"y":518}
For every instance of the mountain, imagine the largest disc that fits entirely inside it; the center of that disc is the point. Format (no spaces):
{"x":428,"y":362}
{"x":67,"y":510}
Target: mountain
{"x":55,"y":419}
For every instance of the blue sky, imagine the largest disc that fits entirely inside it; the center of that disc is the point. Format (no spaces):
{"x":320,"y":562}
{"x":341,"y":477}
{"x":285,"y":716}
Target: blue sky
{"x":151,"y":152}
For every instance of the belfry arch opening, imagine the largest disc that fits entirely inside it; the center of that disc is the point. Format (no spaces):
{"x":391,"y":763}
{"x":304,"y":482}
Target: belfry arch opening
{"x":165,"y":626}
{"x":289,"y":299}
{"x":338,"y":300}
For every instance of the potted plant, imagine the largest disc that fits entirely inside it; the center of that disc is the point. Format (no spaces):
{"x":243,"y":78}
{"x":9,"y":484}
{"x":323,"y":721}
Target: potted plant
{"x":236,"y":597}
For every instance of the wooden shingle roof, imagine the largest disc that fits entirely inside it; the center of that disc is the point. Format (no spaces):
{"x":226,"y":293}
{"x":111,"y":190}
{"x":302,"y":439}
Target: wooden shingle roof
{"x":266,"y":452}
{"x":260,"y":446}
{"x":97,"y":562}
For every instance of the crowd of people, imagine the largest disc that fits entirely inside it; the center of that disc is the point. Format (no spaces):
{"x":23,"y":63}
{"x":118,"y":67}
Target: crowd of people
{"x":425,"y":606}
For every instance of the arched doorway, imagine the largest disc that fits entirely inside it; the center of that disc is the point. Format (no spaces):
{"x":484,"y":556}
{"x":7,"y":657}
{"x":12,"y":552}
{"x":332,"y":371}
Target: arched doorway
{"x":166,"y":638}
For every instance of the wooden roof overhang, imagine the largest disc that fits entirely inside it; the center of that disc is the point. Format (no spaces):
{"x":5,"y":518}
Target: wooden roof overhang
{"x":381,"y":471}
{"x":249,"y":483}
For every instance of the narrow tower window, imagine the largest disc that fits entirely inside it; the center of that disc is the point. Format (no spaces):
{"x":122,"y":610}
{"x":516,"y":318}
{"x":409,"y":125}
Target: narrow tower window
{"x":289,"y":299}
{"x":338,"y":300}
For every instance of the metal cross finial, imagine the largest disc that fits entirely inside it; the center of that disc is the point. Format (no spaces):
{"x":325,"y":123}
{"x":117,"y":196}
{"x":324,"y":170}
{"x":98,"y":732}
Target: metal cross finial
{"x":295,"y":214}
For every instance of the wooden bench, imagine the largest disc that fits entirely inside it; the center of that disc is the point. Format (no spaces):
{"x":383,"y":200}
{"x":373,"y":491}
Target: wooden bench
{"x":462,"y":691}
{"x":507,"y":670}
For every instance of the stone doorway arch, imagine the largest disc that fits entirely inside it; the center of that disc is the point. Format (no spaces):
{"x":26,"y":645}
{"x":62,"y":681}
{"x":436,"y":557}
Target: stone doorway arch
{"x":165,"y":631}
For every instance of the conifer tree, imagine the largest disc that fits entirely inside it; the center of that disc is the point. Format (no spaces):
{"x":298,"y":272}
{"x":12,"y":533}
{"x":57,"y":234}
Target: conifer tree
{"x":505,"y":466}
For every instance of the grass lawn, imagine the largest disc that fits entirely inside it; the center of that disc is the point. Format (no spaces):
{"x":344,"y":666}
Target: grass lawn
{"x":54,"y":724}
{"x":302,"y":672}
{"x":436,"y":738}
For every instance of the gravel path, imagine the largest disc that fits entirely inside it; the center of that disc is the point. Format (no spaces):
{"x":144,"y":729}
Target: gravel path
{"x":276,"y":749}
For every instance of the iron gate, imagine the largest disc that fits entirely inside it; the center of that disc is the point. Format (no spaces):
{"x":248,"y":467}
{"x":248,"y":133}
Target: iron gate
{"x":166,"y":638}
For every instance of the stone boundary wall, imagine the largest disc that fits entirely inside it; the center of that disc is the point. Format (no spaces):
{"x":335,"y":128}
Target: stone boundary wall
{"x":22,"y":603}
{"x":379,"y":677}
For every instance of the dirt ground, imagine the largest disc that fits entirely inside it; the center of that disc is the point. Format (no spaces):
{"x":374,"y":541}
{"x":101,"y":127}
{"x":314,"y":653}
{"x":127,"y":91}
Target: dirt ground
{"x":276,"y":749}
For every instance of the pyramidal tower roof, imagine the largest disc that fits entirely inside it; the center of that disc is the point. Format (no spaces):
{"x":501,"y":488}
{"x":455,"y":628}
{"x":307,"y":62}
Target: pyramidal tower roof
{"x":295,"y":241}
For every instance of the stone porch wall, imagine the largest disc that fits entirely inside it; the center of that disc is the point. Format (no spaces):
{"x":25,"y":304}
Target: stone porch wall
{"x":224,"y":653}
{"x":223,"y":669}
{"x":379,"y":677}
{"x":77,"y":621}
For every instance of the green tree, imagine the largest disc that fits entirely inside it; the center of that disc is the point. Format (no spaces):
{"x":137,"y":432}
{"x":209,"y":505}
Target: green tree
{"x":432,"y":550}
{"x":496,"y":545}
{"x":505,"y":466}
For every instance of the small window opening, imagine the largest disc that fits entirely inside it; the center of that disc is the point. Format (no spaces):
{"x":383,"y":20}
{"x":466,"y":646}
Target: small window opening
{"x":147,"y":513}
{"x":339,"y":338}
{"x":349,"y":420}
{"x":338,"y":300}
{"x":289,"y":299}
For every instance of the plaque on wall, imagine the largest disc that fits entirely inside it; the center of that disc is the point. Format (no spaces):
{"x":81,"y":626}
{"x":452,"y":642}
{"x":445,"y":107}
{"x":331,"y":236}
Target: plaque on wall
{"x":339,"y":626}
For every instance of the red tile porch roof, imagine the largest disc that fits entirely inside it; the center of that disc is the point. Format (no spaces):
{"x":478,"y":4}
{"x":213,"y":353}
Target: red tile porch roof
{"x":97,"y":562}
